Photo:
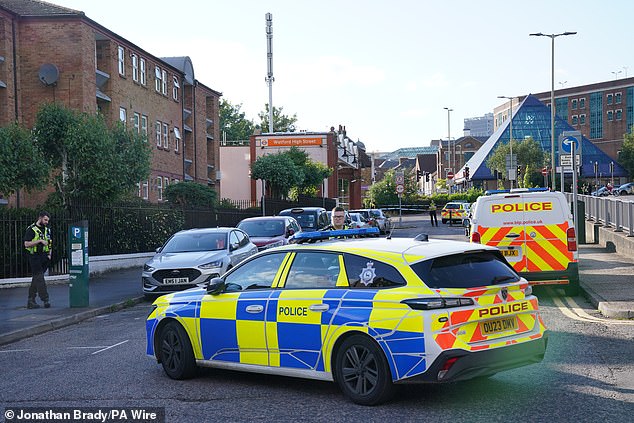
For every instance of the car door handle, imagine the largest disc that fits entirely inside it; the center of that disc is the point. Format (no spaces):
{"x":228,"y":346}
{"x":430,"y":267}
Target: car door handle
{"x":255,"y":309}
{"x":319,"y":307}
{"x":512,"y":235}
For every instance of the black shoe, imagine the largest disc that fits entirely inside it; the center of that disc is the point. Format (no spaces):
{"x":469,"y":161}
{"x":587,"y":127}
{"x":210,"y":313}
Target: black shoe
{"x":32,"y":304}
{"x":47,"y":304}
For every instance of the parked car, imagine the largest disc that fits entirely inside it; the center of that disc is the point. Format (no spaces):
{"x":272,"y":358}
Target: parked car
{"x":625,"y":189}
{"x":454,"y":211}
{"x":309,"y":218}
{"x":193,"y":257}
{"x":376,"y":217}
{"x":364,"y":313}
{"x":601,"y":192}
{"x":269,"y":231}
{"x":357,"y":221}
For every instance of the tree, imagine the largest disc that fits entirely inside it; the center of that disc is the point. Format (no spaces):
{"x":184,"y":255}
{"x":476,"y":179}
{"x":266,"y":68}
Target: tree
{"x":95,"y":162}
{"x":234,"y":123}
{"x":191,"y":194}
{"x":279,"y":172}
{"x":529,"y":155}
{"x":626,"y":157}
{"x":312,"y":173}
{"x":22,"y":162}
{"x":383,"y":192}
{"x":281,"y":122}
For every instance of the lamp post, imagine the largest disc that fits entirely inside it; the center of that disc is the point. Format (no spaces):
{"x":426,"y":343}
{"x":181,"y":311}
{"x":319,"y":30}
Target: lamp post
{"x":616,"y":74}
{"x":552,"y":101}
{"x":451,"y":153}
{"x":510,"y":129}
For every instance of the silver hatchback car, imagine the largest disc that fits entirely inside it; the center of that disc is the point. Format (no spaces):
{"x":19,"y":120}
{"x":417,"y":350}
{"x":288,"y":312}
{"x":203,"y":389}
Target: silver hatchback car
{"x":193,"y":257}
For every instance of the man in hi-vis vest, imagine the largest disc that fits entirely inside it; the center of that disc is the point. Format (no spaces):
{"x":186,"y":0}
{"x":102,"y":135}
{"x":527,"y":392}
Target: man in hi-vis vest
{"x":37,"y":241}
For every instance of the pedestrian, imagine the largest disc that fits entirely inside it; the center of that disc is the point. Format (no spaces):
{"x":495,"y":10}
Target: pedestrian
{"x":37,"y":241}
{"x":337,"y":219}
{"x":432,"y":214}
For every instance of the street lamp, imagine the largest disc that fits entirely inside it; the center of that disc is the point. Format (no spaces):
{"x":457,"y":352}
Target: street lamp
{"x":451,"y":153}
{"x":552,"y":100}
{"x":562,"y":84}
{"x":616,"y":74}
{"x":510,"y":129}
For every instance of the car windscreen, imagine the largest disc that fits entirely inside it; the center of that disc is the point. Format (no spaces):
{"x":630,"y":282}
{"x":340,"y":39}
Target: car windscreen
{"x":466,"y":270}
{"x":192,"y":242}
{"x":263,"y":228}
{"x":306,"y":221}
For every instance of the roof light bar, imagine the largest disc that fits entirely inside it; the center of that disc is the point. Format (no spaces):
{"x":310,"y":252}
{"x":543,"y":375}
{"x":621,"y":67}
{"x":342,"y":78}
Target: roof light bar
{"x":322,"y":235}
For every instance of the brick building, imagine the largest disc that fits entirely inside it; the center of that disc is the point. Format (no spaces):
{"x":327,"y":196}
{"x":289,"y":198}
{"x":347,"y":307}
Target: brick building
{"x":52,"y":53}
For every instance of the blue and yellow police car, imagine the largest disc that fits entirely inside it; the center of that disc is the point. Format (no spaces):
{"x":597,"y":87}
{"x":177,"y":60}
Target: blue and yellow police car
{"x":366,"y":313}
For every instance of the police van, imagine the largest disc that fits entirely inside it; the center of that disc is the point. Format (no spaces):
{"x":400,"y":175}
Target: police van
{"x":534,"y":230}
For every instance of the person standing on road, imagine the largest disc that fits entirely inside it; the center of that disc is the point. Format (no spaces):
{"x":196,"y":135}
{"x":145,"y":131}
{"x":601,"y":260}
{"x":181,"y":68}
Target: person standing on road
{"x":432,"y":214}
{"x":337,"y":219}
{"x":37,"y":241}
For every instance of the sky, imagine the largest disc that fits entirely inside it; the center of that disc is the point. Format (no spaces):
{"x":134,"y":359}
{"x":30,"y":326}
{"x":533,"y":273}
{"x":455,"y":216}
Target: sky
{"x":384,"y":69}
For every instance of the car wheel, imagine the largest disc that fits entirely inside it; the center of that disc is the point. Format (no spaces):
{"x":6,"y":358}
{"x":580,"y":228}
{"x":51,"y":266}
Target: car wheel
{"x":177,"y":356}
{"x":362,"y":371}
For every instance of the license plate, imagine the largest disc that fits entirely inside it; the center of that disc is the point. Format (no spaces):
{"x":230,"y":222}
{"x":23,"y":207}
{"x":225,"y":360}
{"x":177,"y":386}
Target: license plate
{"x":499,"y":325}
{"x":175,"y":281}
{"x":511,"y":253}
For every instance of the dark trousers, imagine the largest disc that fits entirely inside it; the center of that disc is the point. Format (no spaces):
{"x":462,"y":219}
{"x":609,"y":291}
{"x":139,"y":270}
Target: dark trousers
{"x":39,"y":264}
{"x":432,"y":218}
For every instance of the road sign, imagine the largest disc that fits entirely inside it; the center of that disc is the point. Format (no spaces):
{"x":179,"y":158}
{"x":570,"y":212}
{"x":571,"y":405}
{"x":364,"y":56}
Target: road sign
{"x":545,"y":171}
{"x":449,"y":175}
{"x":400,"y":189}
{"x":399,"y":178}
{"x":566,"y":160}
{"x":567,"y":138}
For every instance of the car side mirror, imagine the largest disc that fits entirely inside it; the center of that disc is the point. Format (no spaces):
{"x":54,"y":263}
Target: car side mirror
{"x":158,"y":249}
{"x":234,"y":246}
{"x":216,"y":286}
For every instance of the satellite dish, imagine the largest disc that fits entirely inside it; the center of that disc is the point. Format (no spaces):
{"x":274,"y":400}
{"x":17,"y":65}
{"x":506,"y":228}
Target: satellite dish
{"x":48,"y":74}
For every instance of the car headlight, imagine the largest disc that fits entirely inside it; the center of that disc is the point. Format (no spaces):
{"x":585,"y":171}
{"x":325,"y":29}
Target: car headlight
{"x":211,"y":265}
{"x":148,"y":268}
{"x":274,"y":244}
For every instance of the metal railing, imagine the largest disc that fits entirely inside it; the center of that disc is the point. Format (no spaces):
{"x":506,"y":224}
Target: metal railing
{"x":610,"y":211}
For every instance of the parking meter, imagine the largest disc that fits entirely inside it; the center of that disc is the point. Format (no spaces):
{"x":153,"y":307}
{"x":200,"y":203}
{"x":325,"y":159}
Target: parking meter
{"x":79,"y":270}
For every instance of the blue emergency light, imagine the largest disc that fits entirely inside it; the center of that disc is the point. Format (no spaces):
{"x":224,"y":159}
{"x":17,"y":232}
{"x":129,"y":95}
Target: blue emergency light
{"x":343,"y":233}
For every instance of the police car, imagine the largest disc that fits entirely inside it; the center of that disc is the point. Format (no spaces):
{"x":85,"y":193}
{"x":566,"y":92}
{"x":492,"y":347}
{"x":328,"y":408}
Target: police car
{"x":366,"y":313}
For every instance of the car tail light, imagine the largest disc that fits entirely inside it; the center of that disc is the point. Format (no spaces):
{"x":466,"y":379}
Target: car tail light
{"x":445,"y":367}
{"x":572,"y":239}
{"x":475,"y":237}
{"x":435,"y":303}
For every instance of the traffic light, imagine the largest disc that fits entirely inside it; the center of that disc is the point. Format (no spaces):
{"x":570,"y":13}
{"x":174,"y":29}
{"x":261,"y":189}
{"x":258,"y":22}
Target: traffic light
{"x":519,"y":170}
{"x":466,"y":172}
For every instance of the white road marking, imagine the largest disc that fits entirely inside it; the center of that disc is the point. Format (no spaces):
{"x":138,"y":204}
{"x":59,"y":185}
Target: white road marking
{"x":87,"y":348}
{"x":8,"y":351}
{"x":111,"y":346}
{"x":575,"y":312}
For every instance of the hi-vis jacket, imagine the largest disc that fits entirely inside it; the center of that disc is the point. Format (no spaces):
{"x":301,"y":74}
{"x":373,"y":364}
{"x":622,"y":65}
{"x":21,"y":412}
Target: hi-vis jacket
{"x":39,"y":234}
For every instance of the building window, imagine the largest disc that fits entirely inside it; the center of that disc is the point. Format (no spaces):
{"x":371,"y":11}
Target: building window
{"x":574,"y":104}
{"x":177,"y":139}
{"x":157,"y":78}
{"x":164,"y":83}
{"x":175,"y":89}
{"x":617,"y":98}
{"x":575,"y":120}
{"x":596,"y":115}
{"x":158,"y":133}
{"x":146,"y":190}
{"x":137,"y":122}
{"x":123,"y":115}
{"x":166,"y":139}
{"x":610,"y":116}
{"x":135,"y":68}
{"x":618,"y":114}
{"x":582,"y":119}
{"x":166,"y":182}
{"x":582,"y":103}
{"x":121,"y":57}
{"x":159,"y":188}
{"x":144,"y":126}
{"x":143,"y":74}
{"x":609,"y":99}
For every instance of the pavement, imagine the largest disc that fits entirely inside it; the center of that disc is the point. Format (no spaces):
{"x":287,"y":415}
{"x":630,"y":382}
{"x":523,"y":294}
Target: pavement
{"x":607,"y":280}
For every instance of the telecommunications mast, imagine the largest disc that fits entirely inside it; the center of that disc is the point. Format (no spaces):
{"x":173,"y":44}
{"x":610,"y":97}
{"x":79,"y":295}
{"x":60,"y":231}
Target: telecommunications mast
{"x":269,"y":65}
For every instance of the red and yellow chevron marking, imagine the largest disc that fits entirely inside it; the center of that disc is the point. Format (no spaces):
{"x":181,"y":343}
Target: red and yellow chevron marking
{"x":455,"y":214}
